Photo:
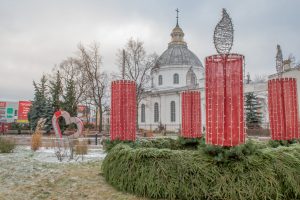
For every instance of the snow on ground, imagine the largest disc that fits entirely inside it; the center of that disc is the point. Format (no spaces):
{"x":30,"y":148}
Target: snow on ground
{"x":48,"y":155}
{"x":25,"y":174}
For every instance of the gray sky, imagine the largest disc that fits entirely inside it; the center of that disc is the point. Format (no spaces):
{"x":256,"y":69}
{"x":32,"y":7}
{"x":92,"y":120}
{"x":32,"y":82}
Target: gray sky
{"x":35,"y":35}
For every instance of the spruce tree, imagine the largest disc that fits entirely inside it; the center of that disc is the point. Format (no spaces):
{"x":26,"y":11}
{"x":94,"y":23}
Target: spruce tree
{"x":48,"y":112}
{"x":41,"y":106}
{"x":253,"y":113}
{"x":34,"y":112}
{"x":56,"y":92}
{"x":69,"y":103}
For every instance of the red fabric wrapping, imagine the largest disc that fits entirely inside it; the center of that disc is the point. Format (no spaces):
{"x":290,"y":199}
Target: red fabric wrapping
{"x":191,"y":114}
{"x":224,"y":100}
{"x":123,"y":110}
{"x":283,"y":108}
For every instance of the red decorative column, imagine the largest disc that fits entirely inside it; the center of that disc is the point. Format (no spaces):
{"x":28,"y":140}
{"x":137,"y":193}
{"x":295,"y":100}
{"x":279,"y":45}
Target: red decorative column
{"x":283,"y":108}
{"x":123,"y":110}
{"x":191,"y":114}
{"x":224,"y":100}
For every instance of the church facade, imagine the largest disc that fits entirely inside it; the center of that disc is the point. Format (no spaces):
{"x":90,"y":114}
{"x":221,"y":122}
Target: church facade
{"x":176,"y":70}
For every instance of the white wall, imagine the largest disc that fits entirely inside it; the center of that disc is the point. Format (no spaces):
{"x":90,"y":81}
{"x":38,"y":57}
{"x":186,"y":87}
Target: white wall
{"x":167,"y":73}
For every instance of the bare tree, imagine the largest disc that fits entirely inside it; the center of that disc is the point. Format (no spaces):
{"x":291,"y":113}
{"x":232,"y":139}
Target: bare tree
{"x":71,"y":70}
{"x":260,"y":78}
{"x":138,"y":65}
{"x":97,"y":80}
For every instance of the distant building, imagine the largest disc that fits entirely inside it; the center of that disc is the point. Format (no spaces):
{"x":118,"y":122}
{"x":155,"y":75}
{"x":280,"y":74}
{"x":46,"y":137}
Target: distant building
{"x":176,"y":70}
{"x":8,"y":111}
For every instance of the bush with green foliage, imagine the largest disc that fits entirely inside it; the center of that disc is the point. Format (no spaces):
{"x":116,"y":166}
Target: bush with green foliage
{"x":160,"y":143}
{"x":277,"y":143}
{"x":250,"y":171}
{"x":191,"y":142}
{"x":229,"y":154}
{"x":6,"y":145}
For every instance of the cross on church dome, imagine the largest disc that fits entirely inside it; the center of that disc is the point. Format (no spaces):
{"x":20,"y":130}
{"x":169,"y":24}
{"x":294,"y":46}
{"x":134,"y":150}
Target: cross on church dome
{"x":177,"y":33}
{"x":178,"y":52}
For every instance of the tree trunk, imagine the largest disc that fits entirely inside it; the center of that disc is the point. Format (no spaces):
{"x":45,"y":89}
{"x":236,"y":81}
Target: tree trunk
{"x":100,"y":117}
{"x":96,"y":124}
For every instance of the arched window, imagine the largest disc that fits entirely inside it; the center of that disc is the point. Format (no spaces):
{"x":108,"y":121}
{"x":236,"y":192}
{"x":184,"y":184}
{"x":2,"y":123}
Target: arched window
{"x":143,"y":115}
{"x":173,"y":111}
{"x":156,"y":113}
{"x":160,"y":80}
{"x":176,"y":79}
{"x":191,"y":78}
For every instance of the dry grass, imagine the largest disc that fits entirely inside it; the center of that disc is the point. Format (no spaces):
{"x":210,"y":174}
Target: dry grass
{"x":36,"y":140}
{"x":7,"y":145}
{"x":81,"y":147}
{"x":63,"y":182}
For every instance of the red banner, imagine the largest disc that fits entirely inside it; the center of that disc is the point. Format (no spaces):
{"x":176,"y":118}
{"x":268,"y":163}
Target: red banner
{"x":2,"y":104}
{"x":123,"y":110}
{"x":24,"y":107}
{"x":283,"y":108}
{"x":224,"y":100}
{"x":191,"y":114}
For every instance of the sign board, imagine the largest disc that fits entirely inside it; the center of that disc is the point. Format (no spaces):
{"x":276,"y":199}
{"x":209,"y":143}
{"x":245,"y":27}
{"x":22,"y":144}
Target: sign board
{"x":9,"y":112}
{"x":2,"y":111}
{"x":24,"y":107}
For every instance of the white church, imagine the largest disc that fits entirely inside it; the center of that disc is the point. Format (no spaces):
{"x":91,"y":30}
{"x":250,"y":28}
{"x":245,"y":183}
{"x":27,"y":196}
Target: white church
{"x":177,"y":69}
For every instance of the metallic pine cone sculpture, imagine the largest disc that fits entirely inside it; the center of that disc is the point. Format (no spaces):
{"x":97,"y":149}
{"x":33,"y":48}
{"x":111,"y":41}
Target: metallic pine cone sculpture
{"x":223,"y":34}
{"x":279,"y":60}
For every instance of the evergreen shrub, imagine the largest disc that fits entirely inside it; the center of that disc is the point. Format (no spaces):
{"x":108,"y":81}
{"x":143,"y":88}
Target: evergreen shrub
{"x":277,"y":143}
{"x":250,"y":171}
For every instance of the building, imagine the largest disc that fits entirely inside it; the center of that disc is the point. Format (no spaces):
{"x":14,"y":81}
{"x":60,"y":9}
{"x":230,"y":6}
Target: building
{"x":177,"y":69}
{"x":9,"y":111}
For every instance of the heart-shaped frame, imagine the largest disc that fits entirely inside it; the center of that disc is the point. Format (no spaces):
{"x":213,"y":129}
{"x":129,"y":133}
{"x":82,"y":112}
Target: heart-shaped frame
{"x":68,"y":120}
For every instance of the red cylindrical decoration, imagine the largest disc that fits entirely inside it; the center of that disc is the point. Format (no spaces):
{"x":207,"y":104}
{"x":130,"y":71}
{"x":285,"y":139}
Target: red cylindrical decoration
{"x":191,"y":114}
{"x":283,"y":108}
{"x":123,"y":110}
{"x":224,"y":100}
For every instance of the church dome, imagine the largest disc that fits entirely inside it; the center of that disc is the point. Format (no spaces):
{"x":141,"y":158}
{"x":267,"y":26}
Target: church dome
{"x":178,"y":52}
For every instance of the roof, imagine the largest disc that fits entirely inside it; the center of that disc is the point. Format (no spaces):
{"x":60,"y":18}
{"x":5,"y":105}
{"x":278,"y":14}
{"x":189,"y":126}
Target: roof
{"x":178,"y":52}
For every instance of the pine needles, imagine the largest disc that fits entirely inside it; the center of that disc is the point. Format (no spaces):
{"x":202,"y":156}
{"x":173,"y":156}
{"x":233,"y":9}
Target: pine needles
{"x":259,"y":173}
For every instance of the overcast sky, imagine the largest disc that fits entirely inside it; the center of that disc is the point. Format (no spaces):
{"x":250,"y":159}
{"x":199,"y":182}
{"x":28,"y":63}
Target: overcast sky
{"x":36,"y":35}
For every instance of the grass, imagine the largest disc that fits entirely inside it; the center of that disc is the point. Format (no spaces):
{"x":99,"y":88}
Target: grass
{"x":252,"y":171}
{"x":22,"y":177}
{"x":7,"y":145}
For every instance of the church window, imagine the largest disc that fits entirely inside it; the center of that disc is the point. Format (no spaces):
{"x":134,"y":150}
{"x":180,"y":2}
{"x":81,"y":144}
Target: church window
{"x":160,"y":80}
{"x":173,"y":112}
{"x":143,"y":115}
{"x":156,"y":114}
{"x":176,"y":79}
{"x":191,"y":78}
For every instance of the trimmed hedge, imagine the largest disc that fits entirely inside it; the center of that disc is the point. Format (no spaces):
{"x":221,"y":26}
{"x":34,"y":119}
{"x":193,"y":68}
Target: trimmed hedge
{"x":268,"y":173}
